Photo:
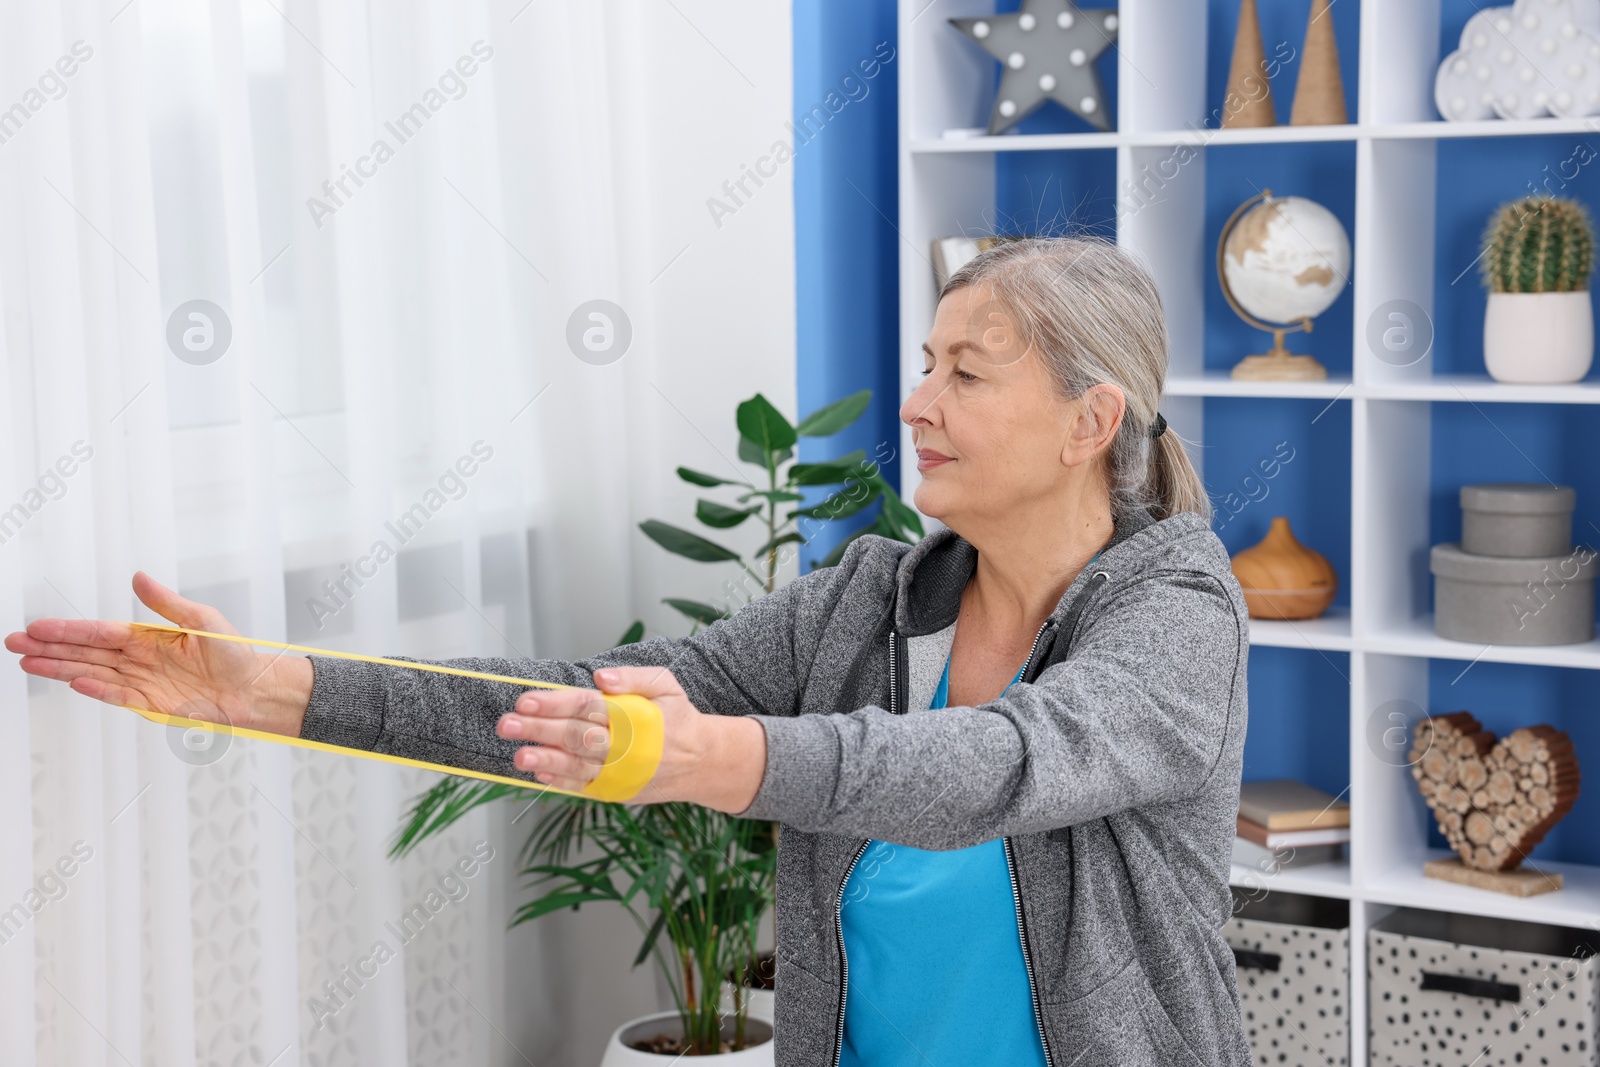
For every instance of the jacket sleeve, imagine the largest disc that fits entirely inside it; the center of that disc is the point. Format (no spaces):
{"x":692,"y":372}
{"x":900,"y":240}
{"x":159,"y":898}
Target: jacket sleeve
{"x":1136,"y":714}
{"x":742,"y":665}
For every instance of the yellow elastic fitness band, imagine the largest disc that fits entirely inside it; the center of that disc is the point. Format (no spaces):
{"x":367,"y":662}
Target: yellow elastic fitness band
{"x":637,"y":732}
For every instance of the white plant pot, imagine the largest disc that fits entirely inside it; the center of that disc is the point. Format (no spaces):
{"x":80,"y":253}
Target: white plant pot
{"x":619,"y":1054}
{"x":1538,"y":338}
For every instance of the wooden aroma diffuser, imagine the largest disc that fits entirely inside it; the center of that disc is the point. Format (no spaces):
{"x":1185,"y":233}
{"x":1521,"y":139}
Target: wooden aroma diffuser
{"x":1283,"y":579}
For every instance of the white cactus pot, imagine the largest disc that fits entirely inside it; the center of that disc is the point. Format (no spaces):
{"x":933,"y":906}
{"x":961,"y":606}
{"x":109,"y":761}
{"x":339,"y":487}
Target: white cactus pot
{"x":1538,"y":338}
{"x":619,"y":1054}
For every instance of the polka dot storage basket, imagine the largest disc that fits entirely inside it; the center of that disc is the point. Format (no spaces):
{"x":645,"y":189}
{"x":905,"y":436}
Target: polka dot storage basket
{"x":1291,"y":958}
{"x":1463,"y":989}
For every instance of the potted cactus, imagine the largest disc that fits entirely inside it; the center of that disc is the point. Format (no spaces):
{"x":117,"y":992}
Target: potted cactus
{"x":1539,"y":325}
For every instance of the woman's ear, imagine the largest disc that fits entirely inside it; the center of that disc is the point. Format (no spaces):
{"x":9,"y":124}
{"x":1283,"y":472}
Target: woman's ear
{"x":1093,"y":423}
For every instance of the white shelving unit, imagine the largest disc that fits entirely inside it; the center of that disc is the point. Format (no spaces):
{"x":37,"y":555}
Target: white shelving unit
{"x":947,"y":186}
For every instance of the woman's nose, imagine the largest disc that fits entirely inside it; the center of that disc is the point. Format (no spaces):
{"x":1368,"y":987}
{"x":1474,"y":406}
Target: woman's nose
{"x":921,"y":406}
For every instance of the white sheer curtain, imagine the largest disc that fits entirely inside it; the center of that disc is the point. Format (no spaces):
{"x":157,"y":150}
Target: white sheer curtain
{"x":397,"y":371}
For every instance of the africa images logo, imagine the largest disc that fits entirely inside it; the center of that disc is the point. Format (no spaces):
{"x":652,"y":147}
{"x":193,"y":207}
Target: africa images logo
{"x":452,"y":85}
{"x":452,"y":485}
{"x":199,"y":332}
{"x":812,"y":121}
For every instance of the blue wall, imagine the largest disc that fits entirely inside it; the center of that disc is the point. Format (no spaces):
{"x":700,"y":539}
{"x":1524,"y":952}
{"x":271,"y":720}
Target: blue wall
{"x":846,"y":207}
{"x":848,"y":301}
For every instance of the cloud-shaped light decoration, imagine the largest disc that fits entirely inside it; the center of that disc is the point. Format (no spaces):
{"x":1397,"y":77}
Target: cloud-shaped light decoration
{"x":1535,"y":58}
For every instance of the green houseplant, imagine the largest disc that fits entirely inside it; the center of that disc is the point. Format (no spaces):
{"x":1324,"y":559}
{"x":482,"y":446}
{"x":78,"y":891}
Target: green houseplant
{"x":1538,"y":253}
{"x":696,"y":881}
{"x":767,"y":440}
{"x":697,"y":876}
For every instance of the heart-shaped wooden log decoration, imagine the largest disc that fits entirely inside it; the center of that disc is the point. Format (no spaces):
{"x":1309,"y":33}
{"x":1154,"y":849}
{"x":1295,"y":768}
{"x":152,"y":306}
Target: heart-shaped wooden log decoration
{"x":1493,"y":800}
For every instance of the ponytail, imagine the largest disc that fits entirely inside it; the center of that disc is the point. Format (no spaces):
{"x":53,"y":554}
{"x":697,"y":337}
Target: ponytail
{"x":1173,"y":486}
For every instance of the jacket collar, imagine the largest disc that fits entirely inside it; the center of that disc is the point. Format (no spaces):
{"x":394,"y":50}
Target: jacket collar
{"x":935,"y":571}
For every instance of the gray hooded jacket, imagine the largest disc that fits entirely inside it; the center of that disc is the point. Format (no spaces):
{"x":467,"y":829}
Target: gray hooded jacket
{"x":1112,"y":771}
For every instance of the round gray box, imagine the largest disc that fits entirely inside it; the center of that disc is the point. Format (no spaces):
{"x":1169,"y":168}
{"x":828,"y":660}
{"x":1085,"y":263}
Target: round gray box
{"x":1517,"y":519}
{"x":1497,"y":600}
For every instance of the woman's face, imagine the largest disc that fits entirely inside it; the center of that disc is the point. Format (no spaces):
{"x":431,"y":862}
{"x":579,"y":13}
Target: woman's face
{"x":990,"y":427}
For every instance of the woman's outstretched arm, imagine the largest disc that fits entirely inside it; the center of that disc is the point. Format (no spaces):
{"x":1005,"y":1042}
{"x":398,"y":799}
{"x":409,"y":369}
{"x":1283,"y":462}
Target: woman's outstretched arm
{"x":743,"y":666}
{"x":706,"y":686}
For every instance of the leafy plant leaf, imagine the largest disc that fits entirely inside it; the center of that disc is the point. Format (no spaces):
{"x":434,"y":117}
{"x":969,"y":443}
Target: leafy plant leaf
{"x":782,"y":539}
{"x":751,"y":452}
{"x":708,"y":480}
{"x":696,"y":610}
{"x":634,"y":634}
{"x":881,"y":526}
{"x":658,"y":925}
{"x":829,"y":420}
{"x":721,"y":515}
{"x":441,"y":805}
{"x":899,"y":514}
{"x":555,"y":902}
{"x":830,"y":472}
{"x":843,"y":504}
{"x":650,"y":938}
{"x":764,"y":426}
{"x":685,"y":543}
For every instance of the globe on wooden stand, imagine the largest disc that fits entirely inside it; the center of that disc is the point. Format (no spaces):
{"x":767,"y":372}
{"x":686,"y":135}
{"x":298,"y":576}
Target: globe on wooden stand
{"x":1281,"y":262}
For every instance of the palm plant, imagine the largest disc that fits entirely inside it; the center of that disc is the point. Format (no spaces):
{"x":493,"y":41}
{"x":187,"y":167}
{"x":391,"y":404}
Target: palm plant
{"x":701,"y":878}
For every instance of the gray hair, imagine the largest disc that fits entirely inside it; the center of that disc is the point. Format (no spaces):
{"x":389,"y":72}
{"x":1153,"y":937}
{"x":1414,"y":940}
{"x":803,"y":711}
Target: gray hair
{"x":1092,"y":311}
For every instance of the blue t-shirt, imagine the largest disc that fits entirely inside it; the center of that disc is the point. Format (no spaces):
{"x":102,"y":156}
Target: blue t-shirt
{"x":936,"y":974}
{"x":934,"y":956}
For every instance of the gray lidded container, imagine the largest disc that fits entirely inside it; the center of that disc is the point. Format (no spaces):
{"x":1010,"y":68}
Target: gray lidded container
{"x":1499,"y":600}
{"x":1517,"y":519}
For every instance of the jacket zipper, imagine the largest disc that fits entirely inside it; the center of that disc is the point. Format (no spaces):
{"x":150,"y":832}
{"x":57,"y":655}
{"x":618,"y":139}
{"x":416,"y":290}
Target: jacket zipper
{"x":1016,"y":897}
{"x":1027,"y":957}
{"x":844,"y":966}
{"x":894,"y":673}
{"x":1034,"y":648}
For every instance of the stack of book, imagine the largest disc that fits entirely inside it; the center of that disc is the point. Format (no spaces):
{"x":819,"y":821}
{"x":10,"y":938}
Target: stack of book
{"x":1286,"y":824}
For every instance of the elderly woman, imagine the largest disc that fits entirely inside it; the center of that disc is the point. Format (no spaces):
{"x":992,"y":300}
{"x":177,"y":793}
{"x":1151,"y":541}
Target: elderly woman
{"x":1006,"y":759}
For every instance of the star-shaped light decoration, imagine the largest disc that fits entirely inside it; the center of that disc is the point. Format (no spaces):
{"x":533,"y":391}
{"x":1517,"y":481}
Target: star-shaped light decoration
{"x":1047,"y":52}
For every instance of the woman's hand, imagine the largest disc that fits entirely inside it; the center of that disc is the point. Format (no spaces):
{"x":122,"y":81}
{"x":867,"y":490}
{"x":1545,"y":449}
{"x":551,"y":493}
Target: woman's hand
{"x":176,"y":674}
{"x":713,"y":760}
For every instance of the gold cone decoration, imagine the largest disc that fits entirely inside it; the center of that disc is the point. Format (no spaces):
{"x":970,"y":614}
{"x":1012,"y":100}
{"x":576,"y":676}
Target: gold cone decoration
{"x":1319,"y":94}
{"x":1249,"y":99}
